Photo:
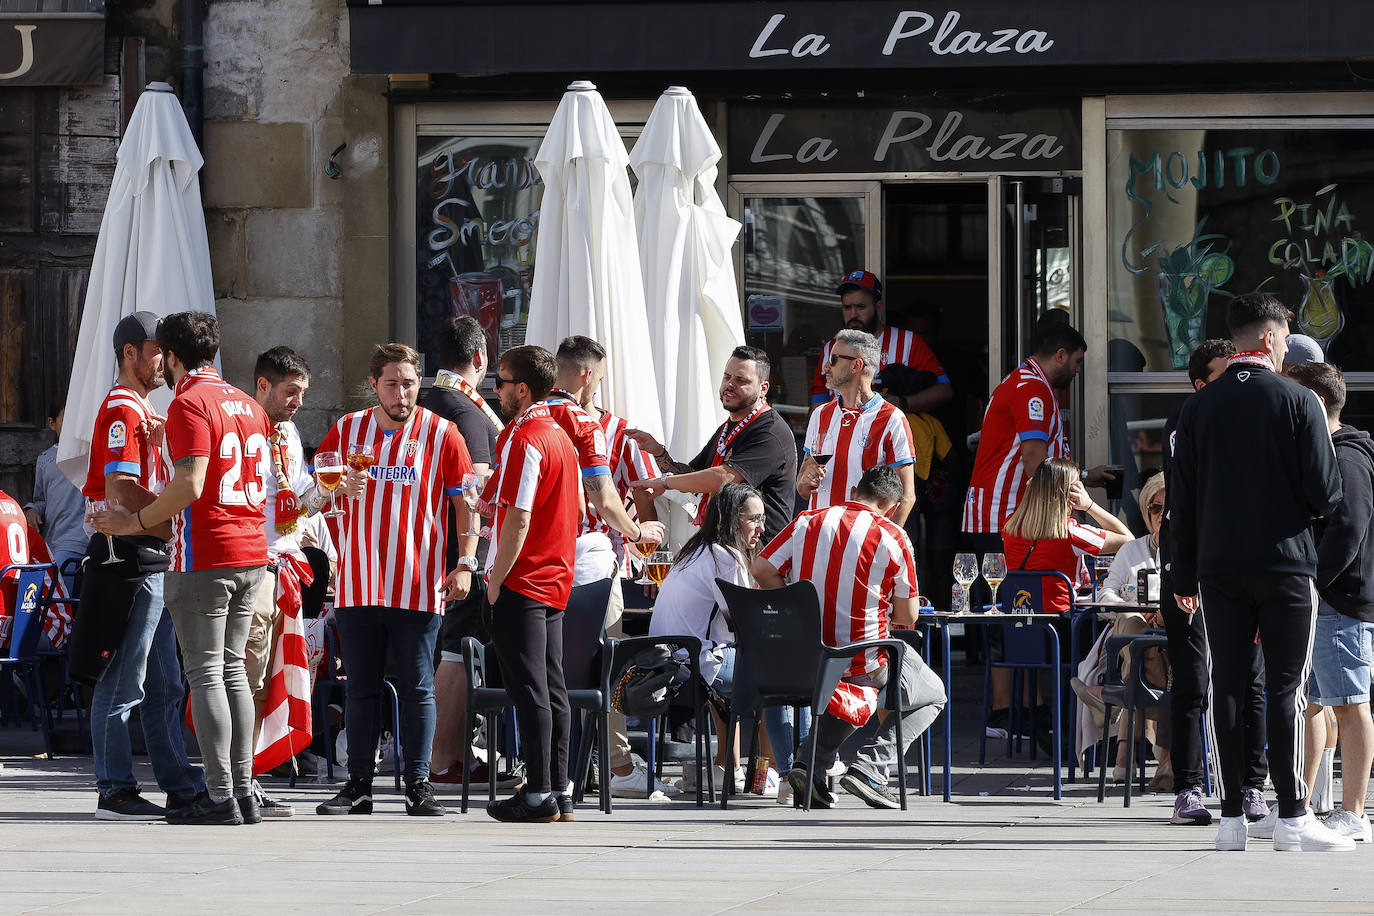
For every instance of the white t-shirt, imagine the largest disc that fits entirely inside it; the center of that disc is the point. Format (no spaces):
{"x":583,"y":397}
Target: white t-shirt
{"x":688,"y":597}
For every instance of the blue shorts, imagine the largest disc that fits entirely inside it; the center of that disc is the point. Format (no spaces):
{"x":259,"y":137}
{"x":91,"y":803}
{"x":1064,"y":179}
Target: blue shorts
{"x":1342,"y":652}
{"x":725,"y":677}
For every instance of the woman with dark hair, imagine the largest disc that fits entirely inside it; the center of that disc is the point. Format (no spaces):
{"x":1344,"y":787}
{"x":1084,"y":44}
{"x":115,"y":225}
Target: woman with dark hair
{"x":689,"y":601}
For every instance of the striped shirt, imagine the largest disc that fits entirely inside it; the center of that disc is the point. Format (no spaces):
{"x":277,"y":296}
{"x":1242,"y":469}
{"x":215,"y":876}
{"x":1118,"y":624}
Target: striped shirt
{"x":391,"y":539}
{"x":1022,"y":407}
{"x":857,"y":439}
{"x":629,"y":463}
{"x":859,"y":561}
{"x":1061,"y":554}
{"x":898,"y":346}
{"x":119,"y":444}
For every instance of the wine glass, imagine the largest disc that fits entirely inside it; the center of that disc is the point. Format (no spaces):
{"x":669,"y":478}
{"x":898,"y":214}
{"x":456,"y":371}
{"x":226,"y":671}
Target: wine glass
{"x":360,"y":456}
{"x":472,"y":492}
{"x":646,"y":549}
{"x":100,"y":505}
{"x":659,"y":562}
{"x":994,"y":571}
{"x":330,"y":469}
{"x":965,"y":573}
{"x":825,"y":448}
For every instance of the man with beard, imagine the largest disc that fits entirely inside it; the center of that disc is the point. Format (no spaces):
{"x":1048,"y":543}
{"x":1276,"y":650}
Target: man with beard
{"x":861,"y":304}
{"x":754,"y":446}
{"x":392,"y":585}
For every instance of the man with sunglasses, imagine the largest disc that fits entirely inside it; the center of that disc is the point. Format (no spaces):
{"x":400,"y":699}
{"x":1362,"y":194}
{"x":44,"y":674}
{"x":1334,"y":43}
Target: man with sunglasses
{"x":856,"y":431}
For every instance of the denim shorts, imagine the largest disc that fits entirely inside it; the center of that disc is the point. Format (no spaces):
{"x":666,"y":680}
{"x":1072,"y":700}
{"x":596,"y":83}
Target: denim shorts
{"x":1341,"y":656}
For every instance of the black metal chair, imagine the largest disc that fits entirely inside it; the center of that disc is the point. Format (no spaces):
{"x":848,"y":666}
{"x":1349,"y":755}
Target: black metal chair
{"x":1135,"y":695}
{"x":586,"y":672}
{"x":781,"y":661}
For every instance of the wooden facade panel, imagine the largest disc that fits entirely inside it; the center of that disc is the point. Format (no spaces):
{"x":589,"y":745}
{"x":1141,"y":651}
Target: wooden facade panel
{"x":90,"y":110}
{"x":85,"y":170}
{"x":18,"y":203}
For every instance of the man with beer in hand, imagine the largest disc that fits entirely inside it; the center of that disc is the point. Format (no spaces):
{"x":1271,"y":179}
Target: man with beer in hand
{"x":529,"y":579}
{"x":392,"y":582}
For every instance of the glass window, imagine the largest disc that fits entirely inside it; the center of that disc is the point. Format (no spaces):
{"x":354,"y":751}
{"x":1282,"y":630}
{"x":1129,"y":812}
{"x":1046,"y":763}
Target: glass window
{"x":477,"y":217}
{"x":795,"y":251}
{"x":1136,"y":443}
{"x":1197,"y":216}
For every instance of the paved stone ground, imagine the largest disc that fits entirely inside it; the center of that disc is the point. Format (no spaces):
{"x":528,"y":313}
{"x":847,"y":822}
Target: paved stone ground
{"x":1012,"y":850}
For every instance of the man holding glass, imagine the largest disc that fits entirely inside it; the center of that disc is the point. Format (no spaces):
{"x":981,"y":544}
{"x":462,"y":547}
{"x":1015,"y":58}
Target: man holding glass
{"x":126,"y":468}
{"x":392,"y":584}
{"x":856,"y":431}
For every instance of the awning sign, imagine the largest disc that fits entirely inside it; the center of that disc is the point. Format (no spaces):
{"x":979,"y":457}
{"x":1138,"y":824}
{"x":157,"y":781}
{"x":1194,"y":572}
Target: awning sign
{"x":56,"y":49}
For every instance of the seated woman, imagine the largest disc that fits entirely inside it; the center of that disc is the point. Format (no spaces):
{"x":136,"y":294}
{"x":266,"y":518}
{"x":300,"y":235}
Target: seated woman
{"x":1119,"y":587}
{"x":689,"y":601}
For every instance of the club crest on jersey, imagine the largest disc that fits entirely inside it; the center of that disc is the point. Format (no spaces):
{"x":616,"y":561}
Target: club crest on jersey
{"x":1036,"y":409}
{"x":1173,"y":441}
{"x":864,"y":442}
{"x":119,"y":434}
{"x":412,"y":446}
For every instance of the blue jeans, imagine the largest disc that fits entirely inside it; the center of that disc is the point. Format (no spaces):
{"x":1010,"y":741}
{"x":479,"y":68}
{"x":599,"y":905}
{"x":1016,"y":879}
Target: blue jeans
{"x":144,"y":671}
{"x":777,"y":720}
{"x":368,"y":637}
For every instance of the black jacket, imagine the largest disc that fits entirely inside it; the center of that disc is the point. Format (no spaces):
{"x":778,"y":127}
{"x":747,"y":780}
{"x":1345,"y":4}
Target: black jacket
{"x":1345,"y":545}
{"x":1252,"y":466}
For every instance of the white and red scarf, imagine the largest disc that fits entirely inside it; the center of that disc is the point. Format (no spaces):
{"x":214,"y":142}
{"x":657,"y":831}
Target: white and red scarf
{"x":727,"y":436}
{"x":1254,"y":358}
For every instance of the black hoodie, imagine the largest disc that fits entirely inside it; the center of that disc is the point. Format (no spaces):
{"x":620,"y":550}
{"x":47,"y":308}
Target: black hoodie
{"x":1345,"y":545}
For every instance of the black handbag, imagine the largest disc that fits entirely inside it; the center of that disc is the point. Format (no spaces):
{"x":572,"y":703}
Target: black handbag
{"x":649,"y":682}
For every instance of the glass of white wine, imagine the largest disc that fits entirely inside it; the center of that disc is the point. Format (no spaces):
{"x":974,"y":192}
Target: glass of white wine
{"x":994,"y":571}
{"x":965,"y":573}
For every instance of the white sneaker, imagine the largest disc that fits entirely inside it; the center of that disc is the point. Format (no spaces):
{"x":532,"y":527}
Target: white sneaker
{"x":1263,"y":829}
{"x":1307,"y":834}
{"x":837,"y":769}
{"x":688,"y":782}
{"x":785,"y":793}
{"x":1231,"y":836}
{"x":1355,"y":826}
{"x":635,"y":784}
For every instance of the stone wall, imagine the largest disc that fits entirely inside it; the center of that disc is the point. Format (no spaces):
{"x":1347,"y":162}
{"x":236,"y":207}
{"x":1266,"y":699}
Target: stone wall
{"x":299,"y":258}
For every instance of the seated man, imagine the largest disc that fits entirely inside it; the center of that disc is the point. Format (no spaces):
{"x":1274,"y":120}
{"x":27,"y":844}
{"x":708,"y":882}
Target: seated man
{"x":857,"y":538}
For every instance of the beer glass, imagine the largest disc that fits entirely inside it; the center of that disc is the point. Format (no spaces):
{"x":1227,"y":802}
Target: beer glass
{"x":329,"y":467}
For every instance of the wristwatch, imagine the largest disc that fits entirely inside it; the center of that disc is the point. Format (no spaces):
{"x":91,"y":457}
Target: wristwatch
{"x":468,"y":563}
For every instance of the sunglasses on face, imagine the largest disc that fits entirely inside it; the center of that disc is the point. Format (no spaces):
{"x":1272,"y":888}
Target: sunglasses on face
{"x":836,"y":357}
{"x":1156,"y":508}
{"x":505,"y":381}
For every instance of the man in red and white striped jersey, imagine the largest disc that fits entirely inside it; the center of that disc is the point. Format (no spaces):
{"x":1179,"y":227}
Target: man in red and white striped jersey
{"x":1021,"y":428}
{"x":614,"y":513}
{"x":392,"y":580}
{"x":217,"y":440}
{"x":864,"y":570}
{"x":856,"y":431}
{"x":530,"y":577}
{"x":861,"y":305}
{"x":126,"y":467}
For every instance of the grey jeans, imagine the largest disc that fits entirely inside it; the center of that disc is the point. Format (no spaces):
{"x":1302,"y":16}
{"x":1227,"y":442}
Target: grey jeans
{"x":212,"y":610}
{"x":922,"y":694}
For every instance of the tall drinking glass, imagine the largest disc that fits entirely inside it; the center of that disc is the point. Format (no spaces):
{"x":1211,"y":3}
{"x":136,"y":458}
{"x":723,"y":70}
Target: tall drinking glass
{"x":330,"y":468}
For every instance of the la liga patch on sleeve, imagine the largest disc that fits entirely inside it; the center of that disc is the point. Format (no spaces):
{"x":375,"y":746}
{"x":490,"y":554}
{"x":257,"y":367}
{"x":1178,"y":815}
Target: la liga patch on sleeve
{"x":1035,"y":407}
{"x":119,"y":434}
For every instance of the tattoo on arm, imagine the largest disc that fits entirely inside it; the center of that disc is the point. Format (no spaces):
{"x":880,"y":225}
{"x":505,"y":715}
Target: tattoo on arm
{"x":667,"y":465}
{"x":189,"y":461}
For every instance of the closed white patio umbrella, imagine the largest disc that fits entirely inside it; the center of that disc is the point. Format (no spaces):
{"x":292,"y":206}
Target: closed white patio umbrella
{"x":587,"y":276}
{"x":685,"y":239}
{"x":152,"y":255}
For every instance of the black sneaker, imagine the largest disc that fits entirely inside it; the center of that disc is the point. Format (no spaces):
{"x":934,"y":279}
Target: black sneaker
{"x":175,"y":801}
{"x":206,"y":811}
{"x":516,"y":809}
{"x":565,"y":807}
{"x":997,"y":724}
{"x":270,"y":807}
{"x":874,"y":794}
{"x":127,"y":805}
{"x":249,"y":809}
{"x":354,"y":798}
{"x":420,"y":800}
{"x":821,"y":796}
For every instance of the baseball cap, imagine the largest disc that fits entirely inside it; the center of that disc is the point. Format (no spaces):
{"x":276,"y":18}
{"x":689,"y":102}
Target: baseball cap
{"x":1302,"y":349}
{"x":134,"y":329}
{"x":861,"y":279}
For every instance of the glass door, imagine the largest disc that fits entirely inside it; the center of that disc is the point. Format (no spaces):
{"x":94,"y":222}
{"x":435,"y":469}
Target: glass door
{"x":798,"y":240}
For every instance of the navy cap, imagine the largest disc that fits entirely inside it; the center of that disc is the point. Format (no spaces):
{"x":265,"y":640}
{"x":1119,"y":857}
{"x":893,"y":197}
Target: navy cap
{"x":861,"y":279}
{"x":134,"y":329}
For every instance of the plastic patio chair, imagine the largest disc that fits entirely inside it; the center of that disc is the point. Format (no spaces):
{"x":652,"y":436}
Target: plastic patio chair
{"x":29,"y":613}
{"x":1135,"y":695}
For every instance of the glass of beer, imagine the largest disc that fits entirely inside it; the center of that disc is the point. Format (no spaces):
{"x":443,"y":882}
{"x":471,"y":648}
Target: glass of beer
{"x":646,"y":550}
{"x":659,"y":562}
{"x":329,"y":468}
{"x":994,"y":571}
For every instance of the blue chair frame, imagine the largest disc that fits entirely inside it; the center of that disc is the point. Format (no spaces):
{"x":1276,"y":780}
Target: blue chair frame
{"x":30,"y":612}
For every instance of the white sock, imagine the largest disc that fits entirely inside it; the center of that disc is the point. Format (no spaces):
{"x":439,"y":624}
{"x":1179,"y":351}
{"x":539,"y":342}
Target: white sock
{"x":536,"y":798}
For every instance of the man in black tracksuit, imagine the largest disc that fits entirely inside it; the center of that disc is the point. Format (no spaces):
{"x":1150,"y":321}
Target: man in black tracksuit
{"x":1253,"y":466}
{"x":1188,"y":654}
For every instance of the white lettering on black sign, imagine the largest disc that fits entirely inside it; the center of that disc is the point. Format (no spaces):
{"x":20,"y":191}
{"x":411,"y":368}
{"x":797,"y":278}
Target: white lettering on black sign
{"x":775,"y":40}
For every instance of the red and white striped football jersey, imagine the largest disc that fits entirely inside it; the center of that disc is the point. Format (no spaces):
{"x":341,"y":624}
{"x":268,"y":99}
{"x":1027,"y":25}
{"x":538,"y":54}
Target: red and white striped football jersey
{"x":1062,"y":554}
{"x":629,"y":463}
{"x":391,"y":539}
{"x":119,"y":444}
{"x":1022,"y":407}
{"x":857,"y":439}
{"x":23,"y":545}
{"x":859,"y":561}
{"x":898,"y":346}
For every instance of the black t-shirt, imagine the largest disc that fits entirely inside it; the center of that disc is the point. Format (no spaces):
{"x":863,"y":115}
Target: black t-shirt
{"x":478,"y":432}
{"x":765,"y":455}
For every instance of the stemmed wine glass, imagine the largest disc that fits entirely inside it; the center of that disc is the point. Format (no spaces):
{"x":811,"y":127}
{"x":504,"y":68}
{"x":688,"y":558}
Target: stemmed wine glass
{"x":825,"y":448}
{"x":360,"y":456}
{"x":100,"y":505}
{"x":646,"y":550}
{"x":330,"y":468}
{"x":659,"y":562}
{"x":994,"y":571}
{"x":472,"y":492}
{"x":965,"y":573}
